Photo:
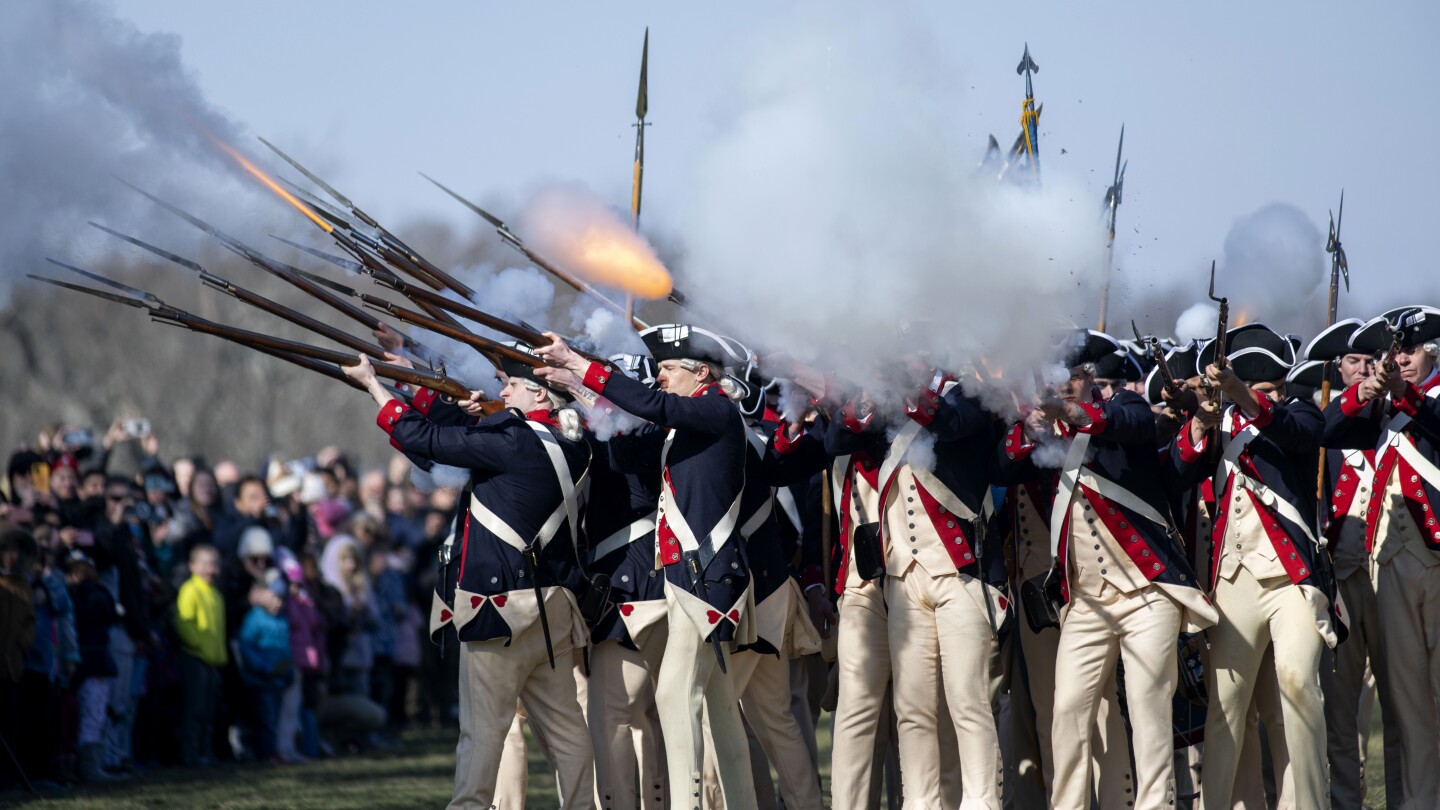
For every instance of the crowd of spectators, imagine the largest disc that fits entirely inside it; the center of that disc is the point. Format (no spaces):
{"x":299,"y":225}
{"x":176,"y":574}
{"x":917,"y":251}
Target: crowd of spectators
{"x":157,"y":609}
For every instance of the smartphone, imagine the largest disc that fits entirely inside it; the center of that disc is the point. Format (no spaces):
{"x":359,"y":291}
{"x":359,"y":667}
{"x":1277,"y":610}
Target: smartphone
{"x":80,"y":437}
{"x":136,"y":428}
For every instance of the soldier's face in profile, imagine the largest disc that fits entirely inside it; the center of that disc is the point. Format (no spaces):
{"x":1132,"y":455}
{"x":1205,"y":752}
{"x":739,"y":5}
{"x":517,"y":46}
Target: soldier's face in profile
{"x":517,"y":395}
{"x":1355,"y":367}
{"x":674,"y":378}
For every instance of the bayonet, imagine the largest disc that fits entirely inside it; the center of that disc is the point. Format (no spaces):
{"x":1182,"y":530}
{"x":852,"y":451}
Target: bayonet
{"x":125,"y":288}
{"x":345,"y":264}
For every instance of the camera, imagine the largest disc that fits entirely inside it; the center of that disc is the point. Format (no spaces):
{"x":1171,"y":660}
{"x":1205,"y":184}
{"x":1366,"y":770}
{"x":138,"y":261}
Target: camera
{"x":136,"y":428}
{"x":77,"y":438}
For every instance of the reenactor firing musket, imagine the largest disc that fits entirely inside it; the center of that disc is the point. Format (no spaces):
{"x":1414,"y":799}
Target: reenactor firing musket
{"x":515,"y":242}
{"x":389,"y":240}
{"x":279,"y":347}
{"x":260,"y":302}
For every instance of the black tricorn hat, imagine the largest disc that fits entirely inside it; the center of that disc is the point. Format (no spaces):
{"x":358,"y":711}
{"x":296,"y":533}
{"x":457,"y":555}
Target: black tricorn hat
{"x":1119,"y":365}
{"x":1181,"y":362}
{"x":1418,"y":323}
{"x":1311,"y":374}
{"x":1332,"y":343}
{"x":514,"y":368}
{"x":754,"y":385}
{"x":678,"y":341}
{"x":1140,"y":354}
{"x":1264,"y":350}
{"x":1081,"y":346}
{"x":1256,"y":352}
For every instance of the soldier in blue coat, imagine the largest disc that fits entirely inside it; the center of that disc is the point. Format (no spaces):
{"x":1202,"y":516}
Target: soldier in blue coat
{"x":514,"y":604}
{"x":1124,"y":579}
{"x":1268,"y":579}
{"x":700,"y":544}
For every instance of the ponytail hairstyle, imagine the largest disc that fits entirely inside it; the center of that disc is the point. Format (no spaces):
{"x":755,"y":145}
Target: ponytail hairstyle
{"x":569,"y":420}
{"x":717,"y":375}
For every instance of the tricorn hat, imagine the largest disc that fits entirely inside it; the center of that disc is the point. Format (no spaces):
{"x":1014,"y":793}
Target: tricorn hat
{"x":1418,"y":325}
{"x":1119,"y":365}
{"x":514,"y":368}
{"x":1334,"y":342}
{"x":636,"y":366}
{"x":1081,"y":346}
{"x":1256,"y":353}
{"x":679,"y":341}
{"x":1310,"y":374}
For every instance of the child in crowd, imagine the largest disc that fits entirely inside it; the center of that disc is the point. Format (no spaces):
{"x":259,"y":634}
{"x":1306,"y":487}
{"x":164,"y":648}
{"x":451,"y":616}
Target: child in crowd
{"x":307,"y":649}
{"x":267,"y":665}
{"x":200,"y":624}
{"x":94,"y":616}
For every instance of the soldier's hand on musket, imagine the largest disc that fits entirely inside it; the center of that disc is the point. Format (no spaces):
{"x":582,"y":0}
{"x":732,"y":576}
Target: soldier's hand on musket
{"x":1224,"y":378}
{"x":395,"y":359}
{"x":388,"y":338}
{"x":362,"y":372}
{"x":1375,"y":386}
{"x":475,"y":404}
{"x":1395,"y":384}
{"x":560,"y":356}
{"x":1037,"y":424}
{"x":822,"y":612}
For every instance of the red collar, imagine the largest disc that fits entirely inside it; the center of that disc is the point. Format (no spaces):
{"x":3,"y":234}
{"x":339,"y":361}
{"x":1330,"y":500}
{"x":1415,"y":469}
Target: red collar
{"x":700,"y":392}
{"x":1431,"y":381}
{"x":545,"y":417}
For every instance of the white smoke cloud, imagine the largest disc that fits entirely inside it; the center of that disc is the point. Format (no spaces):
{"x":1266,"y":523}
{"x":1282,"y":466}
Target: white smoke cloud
{"x":439,"y":476}
{"x":1197,"y":323}
{"x":1274,"y":262}
{"x":834,"y":205}
{"x":87,"y":96}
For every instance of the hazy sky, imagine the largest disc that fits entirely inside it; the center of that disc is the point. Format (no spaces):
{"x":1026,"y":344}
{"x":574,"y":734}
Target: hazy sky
{"x":1227,"y":106}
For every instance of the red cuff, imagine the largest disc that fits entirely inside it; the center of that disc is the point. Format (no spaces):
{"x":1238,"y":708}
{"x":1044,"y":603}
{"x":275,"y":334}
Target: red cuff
{"x":1015,"y":447}
{"x":423,"y":399}
{"x":1410,"y":402}
{"x":596,"y":376}
{"x":923,"y":411}
{"x":852,"y":422}
{"x":390,"y":414}
{"x":1191,"y":453}
{"x":1350,"y":403}
{"x":784,"y":445}
{"x":1263,"y":419}
{"x":1096,"y":412}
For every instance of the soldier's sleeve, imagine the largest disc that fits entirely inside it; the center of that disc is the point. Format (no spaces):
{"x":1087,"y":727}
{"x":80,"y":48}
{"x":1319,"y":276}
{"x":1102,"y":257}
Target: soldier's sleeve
{"x":1186,"y":463}
{"x":1349,"y":424}
{"x":486,"y":446}
{"x":950,"y":417}
{"x":706,"y":414}
{"x":1424,"y":411}
{"x":1013,"y":464}
{"x":790,"y":461}
{"x":1125,"y":418}
{"x":440,"y":409}
{"x":845,"y":433}
{"x":1295,"y":425}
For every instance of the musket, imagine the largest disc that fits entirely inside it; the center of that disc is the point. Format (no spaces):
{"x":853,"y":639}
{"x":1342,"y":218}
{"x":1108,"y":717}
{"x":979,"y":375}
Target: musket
{"x":539,"y":261}
{"x":1158,"y":354}
{"x":389,"y":239}
{"x":1112,"y":202}
{"x":1029,"y":118}
{"x":1222,"y":321}
{"x":517,"y":331}
{"x":423,"y":298}
{"x":271,"y":266}
{"x":258,"y":301}
{"x":161,"y":312}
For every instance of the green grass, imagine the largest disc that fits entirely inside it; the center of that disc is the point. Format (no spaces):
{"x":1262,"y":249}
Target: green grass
{"x":418,"y":773}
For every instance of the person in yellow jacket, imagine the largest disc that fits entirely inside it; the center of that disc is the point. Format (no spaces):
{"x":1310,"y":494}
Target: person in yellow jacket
{"x":200,"y":623}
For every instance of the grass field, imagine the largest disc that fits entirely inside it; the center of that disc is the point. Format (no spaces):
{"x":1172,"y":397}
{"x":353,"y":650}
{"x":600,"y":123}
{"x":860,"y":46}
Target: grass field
{"x":416,"y":774}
